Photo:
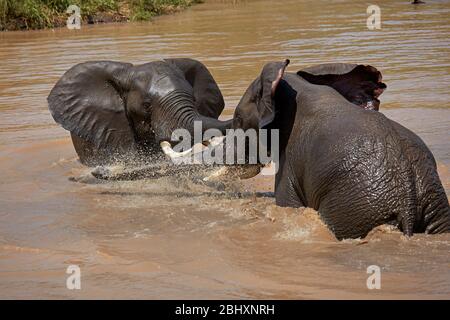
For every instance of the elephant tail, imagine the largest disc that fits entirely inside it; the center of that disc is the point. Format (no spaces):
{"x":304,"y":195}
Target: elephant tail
{"x":408,"y":214}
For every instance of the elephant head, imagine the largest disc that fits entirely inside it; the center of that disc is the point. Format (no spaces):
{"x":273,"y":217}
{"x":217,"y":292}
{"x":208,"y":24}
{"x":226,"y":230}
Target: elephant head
{"x":255,"y":109}
{"x":113,"y":108}
{"x":359,"y":84}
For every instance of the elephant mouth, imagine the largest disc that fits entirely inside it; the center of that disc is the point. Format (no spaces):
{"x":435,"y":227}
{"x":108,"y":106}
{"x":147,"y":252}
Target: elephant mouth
{"x":374,"y":103}
{"x":371,"y":105}
{"x":368,"y":99}
{"x":378,"y":91}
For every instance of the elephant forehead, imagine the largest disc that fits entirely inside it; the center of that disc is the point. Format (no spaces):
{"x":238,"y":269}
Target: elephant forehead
{"x":159,"y":78}
{"x":156,"y":69}
{"x":330,"y":68}
{"x":165,"y":84}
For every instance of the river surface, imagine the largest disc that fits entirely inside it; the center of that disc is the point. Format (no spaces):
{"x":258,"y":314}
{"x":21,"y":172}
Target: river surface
{"x":173,"y":238}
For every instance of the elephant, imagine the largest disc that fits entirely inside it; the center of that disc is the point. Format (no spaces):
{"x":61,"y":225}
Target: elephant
{"x":339,"y":155}
{"x":119,"y":111}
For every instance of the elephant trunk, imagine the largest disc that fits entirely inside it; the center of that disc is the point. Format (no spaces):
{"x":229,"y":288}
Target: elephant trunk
{"x":212,"y":123}
{"x":177,"y":111}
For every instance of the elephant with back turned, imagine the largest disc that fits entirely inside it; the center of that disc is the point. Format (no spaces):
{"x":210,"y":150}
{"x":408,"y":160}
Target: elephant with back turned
{"x":358,"y":168}
{"x":118,"y":111}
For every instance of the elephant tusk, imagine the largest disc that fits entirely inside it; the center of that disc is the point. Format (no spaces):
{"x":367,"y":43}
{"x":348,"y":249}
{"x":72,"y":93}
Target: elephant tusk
{"x":222,"y":171}
{"x":168,"y":151}
{"x":241,"y":172}
{"x":214,"y":142}
{"x":197,"y":148}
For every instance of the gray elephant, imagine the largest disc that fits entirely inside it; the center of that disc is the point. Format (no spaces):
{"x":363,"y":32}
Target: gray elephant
{"x":358,"y":168}
{"x":118,"y":111}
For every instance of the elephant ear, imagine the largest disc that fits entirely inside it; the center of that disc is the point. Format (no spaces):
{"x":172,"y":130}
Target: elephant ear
{"x":88,"y":101}
{"x":208,"y":98}
{"x":269,"y":80}
{"x":359,"y":84}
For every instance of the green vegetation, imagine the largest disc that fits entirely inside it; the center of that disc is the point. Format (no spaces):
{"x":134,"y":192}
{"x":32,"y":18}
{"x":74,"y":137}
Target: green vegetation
{"x":37,"y":14}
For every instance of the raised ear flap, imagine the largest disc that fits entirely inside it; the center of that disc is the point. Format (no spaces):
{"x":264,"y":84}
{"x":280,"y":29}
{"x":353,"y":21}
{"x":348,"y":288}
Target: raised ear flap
{"x":269,"y":80}
{"x":88,"y":101}
{"x":208,"y":98}
{"x":359,"y":84}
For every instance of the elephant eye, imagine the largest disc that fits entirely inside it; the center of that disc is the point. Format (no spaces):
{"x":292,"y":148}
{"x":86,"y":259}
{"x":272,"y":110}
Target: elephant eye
{"x":147,"y":105}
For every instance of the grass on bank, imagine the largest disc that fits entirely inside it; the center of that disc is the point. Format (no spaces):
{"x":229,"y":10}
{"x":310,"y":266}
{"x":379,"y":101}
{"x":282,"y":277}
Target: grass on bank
{"x":38,"y":14}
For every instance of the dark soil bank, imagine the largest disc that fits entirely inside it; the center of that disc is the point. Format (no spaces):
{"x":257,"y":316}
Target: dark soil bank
{"x":39,"y":14}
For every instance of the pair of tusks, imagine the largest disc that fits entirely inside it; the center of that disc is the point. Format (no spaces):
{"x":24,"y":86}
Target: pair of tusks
{"x":197,"y":148}
{"x":238,"y":171}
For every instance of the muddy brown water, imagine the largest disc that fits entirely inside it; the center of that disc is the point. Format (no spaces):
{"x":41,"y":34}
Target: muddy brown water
{"x":172,"y":238}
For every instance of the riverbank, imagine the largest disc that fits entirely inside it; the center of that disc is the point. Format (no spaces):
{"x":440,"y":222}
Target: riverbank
{"x":41,"y":14}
